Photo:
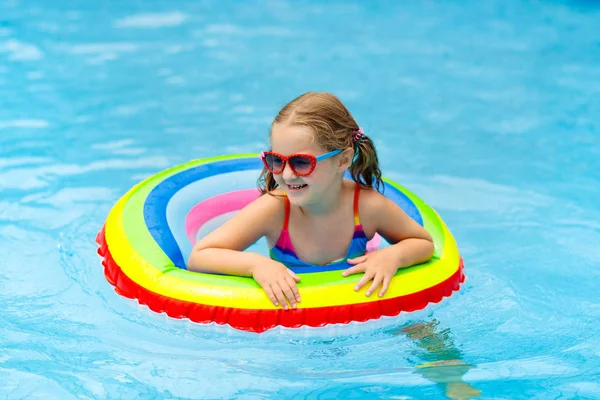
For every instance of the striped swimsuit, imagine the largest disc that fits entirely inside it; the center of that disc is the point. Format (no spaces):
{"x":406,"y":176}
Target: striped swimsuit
{"x":283,"y":251}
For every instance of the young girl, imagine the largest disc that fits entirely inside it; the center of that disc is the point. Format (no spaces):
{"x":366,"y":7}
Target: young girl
{"x":310,"y":214}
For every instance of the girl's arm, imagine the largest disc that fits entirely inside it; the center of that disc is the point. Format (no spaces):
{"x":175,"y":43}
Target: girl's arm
{"x":411,"y":243}
{"x":222,"y":250}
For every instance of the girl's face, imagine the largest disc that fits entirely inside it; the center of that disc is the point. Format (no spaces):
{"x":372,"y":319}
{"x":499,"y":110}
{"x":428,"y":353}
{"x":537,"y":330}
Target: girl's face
{"x":302,"y":190}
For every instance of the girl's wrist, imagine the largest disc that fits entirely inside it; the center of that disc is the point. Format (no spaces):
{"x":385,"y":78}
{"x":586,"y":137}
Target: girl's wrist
{"x":256,"y":261}
{"x":404,"y":252}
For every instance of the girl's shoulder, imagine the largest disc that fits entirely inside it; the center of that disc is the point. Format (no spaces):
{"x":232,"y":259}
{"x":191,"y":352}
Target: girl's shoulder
{"x":372,"y":206}
{"x":271,"y":207}
{"x":370,"y":199}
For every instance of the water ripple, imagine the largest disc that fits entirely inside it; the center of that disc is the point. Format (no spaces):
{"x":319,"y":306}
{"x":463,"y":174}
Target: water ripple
{"x":152,"y":20}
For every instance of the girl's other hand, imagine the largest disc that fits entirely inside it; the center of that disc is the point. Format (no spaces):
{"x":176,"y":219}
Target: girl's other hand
{"x":278,"y":282}
{"x":379,"y":266}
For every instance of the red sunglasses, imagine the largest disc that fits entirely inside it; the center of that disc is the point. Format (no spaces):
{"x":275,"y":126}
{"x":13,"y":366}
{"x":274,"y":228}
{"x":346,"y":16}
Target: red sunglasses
{"x":301,"y":164}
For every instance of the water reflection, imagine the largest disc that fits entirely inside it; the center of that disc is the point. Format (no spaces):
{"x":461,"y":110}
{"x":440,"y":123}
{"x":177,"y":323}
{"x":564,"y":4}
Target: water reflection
{"x":443,"y":363}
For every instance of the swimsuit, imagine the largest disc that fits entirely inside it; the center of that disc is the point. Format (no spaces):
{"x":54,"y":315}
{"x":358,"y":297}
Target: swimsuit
{"x":283,"y":251}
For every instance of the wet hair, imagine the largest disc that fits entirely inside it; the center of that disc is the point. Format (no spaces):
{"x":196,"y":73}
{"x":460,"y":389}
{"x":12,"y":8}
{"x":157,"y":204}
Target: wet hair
{"x":333,"y":127}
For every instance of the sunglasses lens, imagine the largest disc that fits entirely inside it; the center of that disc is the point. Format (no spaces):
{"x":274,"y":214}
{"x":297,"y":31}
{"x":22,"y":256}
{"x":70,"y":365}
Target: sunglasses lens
{"x":301,"y":165}
{"x":274,"y":163}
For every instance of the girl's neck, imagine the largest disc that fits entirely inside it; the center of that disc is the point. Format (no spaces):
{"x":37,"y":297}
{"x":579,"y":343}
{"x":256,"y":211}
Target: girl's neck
{"x":329,"y":201}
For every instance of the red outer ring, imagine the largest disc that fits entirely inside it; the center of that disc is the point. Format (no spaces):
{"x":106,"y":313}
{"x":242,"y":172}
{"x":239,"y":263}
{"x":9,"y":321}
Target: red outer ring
{"x":261,"y":320}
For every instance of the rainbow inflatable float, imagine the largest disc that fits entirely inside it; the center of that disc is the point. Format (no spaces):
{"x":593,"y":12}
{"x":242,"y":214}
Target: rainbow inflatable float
{"x":150,"y":232}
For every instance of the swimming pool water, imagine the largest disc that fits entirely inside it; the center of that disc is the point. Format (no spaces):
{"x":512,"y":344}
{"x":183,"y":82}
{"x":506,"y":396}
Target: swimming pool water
{"x":489,"y":111}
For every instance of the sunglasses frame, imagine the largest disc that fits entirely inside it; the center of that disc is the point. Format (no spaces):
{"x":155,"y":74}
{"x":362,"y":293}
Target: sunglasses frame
{"x":285,"y":159}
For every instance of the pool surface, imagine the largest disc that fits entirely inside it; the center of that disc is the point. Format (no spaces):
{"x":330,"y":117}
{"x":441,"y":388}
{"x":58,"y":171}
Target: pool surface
{"x":489,"y":111}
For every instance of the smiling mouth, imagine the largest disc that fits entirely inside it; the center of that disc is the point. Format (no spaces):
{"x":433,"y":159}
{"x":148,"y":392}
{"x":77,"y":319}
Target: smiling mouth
{"x":297,"y":187}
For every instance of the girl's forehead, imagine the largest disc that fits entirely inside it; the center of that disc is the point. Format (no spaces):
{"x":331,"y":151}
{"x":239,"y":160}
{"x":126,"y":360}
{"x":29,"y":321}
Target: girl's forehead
{"x":291,"y":139}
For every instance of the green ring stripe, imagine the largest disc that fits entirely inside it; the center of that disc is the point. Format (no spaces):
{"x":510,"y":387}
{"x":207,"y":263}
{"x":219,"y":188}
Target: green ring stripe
{"x":431,"y":221}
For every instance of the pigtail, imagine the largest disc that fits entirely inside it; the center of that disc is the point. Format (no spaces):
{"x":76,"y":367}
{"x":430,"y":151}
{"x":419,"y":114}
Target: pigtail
{"x":365,"y":167}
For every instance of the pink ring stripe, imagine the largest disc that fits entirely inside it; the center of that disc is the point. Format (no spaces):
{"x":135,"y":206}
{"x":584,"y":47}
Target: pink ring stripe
{"x":374,"y":243}
{"x":216,"y":206}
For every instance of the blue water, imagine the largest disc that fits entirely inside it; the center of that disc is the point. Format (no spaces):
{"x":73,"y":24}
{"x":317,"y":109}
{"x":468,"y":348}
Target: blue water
{"x":490,"y":111}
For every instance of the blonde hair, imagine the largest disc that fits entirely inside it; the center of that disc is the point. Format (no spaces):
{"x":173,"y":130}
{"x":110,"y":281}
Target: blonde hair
{"x":334,"y":128}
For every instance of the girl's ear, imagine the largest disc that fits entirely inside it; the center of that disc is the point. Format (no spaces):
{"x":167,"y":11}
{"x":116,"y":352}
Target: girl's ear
{"x":345,"y":159}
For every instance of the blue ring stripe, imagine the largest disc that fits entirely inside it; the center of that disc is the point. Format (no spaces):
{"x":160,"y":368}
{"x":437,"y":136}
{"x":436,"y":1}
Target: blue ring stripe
{"x":155,"y":206}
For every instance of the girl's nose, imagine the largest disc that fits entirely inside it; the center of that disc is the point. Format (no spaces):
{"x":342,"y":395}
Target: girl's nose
{"x":288,"y":173}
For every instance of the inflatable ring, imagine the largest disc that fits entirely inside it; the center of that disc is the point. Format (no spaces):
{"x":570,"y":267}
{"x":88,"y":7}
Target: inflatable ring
{"x":150,"y":232}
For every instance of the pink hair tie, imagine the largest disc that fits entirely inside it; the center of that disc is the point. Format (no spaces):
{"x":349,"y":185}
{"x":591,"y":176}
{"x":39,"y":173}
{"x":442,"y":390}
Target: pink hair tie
{"x":358,"y":135}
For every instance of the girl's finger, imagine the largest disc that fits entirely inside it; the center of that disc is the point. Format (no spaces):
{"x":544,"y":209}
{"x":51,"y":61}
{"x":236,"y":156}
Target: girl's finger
{"x":294,"y":289}
{"x":270,"y":295}
{"x":357,"y":260}
{"x":289,"y":294}
{"x":376,"y":282}
{"x":386,"y":285}
{"x":354,"y":270}
{"x":293,"y":275}
{"x":280,"y":297}
{"x":363,"y":281}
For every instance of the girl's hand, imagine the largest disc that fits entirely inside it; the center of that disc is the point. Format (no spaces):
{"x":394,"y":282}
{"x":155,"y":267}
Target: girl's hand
{"x":379,"y":266}
{"x":279,"y":282}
